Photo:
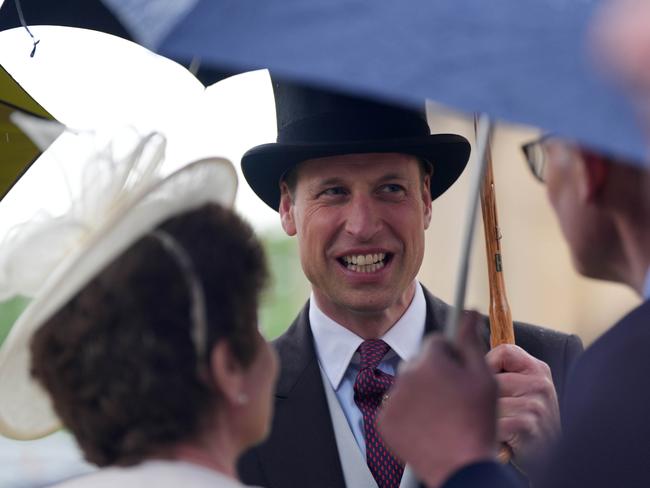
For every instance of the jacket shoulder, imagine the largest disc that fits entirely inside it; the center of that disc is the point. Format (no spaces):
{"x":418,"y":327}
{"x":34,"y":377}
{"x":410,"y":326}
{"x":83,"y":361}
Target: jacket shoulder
{"x":543,"y":342}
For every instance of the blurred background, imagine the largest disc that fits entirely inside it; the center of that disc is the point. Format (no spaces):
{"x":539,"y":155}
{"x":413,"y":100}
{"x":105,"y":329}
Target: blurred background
{"x":227,"y":119}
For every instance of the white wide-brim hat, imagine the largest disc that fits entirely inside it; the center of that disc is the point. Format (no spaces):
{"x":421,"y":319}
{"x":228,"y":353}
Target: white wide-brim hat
{"x":52,"y":259}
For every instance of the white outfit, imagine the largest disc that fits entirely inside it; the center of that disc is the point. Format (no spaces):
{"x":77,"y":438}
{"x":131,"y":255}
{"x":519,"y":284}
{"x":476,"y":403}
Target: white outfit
{"x":154,"y":474}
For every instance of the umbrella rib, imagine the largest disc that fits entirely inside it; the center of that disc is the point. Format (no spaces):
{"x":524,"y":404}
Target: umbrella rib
{"x":19,"y":9}
{"x":484,"y":130}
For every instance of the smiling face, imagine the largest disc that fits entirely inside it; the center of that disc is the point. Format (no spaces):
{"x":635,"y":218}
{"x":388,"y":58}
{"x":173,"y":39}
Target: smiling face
{"x":360,"y":221}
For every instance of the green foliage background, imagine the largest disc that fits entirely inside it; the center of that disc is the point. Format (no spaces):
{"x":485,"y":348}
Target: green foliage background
{"x":285,"y":296}
{"x":288,"y":288}
{"x":9,"y":311}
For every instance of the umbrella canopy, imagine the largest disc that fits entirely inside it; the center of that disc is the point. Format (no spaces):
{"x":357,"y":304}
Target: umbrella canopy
{"x":17,"y":151}
{"x":519,"y":60}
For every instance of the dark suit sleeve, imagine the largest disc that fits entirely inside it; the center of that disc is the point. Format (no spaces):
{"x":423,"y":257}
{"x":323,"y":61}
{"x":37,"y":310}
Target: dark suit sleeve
{"x":607,"y":432}
{"x":483,"y":475}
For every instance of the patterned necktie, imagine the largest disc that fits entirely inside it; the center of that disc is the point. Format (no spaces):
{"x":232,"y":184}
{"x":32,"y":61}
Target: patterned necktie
{"x":369,"y":390}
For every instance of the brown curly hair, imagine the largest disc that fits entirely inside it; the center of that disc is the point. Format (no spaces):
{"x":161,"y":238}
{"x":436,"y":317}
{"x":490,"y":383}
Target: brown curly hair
{"x":118,"y":360}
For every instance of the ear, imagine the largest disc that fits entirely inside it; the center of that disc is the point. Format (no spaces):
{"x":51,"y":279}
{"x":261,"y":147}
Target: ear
{"x":227,"y":373}
{"x":594,"y":169}
{"x":426,"y":200}
{"x":286,"y":210}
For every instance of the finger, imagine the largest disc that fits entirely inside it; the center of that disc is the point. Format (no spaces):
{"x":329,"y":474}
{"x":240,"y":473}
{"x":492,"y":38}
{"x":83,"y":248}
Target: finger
{"x":512,"y":358}
{"x":522,"y":406}
{"x":515,"y":430}
{"x":532,"y":416}
{"x":518,"y":384}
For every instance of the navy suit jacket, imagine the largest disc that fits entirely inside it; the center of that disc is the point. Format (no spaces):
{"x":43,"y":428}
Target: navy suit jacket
{"x":301,"y":450}
{"x":606,"y":440}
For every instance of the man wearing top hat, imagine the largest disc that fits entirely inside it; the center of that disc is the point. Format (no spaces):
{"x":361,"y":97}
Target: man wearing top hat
{"x":354,"y":181}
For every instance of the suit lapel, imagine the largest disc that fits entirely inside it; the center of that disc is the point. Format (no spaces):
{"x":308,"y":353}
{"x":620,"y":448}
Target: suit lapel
{"x":302,"y":444}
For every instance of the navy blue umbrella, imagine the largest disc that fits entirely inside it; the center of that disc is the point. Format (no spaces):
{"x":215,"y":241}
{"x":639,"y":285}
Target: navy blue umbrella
{"x":517,"y":60}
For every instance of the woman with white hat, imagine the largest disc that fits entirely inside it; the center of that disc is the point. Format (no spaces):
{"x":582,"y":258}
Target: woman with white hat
{"x":143,"y":330}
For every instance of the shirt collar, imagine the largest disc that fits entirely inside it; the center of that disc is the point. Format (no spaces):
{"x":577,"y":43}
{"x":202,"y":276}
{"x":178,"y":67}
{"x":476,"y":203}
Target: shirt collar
{"x":646,"y":287}
{"x":336,"y":345}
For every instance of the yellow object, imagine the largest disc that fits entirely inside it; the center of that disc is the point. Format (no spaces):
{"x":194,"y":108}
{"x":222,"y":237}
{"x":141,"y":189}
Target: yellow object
{"x":17,"y":151}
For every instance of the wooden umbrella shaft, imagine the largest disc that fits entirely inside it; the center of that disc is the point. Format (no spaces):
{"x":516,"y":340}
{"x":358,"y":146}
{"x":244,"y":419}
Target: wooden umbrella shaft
{"x":501,"y":329}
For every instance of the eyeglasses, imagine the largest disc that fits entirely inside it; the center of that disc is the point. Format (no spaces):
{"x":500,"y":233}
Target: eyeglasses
{"x":549,"y":147}
{"x":536,"y":153}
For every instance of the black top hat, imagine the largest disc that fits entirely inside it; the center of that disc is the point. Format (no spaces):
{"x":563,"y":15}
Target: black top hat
{"x":315,"y":123}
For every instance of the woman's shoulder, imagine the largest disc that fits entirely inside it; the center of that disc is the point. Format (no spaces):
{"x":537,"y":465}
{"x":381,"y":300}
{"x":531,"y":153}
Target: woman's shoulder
{"x":161,"y":474}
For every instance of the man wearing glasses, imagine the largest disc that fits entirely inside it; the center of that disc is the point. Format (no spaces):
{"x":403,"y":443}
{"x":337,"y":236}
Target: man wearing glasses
{"x":603,"y":207}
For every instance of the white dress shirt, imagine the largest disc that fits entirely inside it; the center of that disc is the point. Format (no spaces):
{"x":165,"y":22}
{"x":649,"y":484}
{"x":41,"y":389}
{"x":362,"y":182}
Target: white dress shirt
{"x":336,"y":348}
